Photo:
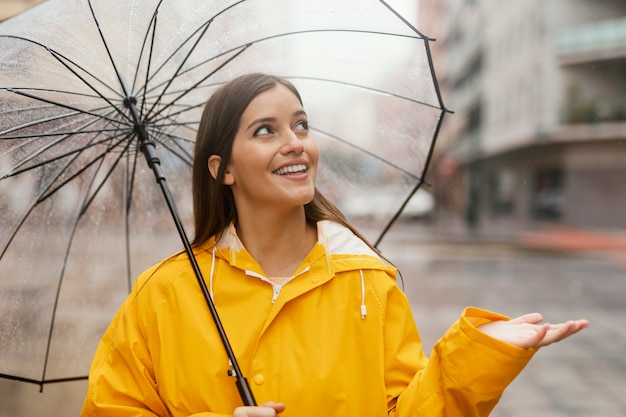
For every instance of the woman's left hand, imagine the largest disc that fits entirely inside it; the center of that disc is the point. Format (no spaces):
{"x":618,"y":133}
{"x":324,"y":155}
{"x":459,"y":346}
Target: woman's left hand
{"x":526,"y":332}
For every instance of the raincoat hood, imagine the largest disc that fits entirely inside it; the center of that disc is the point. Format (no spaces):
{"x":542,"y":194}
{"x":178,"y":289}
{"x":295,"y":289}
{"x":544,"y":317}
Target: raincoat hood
{"x":337,"y":250}
{"x":341,"y":249}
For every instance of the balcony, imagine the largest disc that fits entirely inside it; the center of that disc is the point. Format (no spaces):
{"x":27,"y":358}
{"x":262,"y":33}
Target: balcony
{"x":604,"y":40}
{"x":600,"y":111}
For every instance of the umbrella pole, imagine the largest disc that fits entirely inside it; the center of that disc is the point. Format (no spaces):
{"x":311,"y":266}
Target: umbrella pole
{"x":148,"y":149}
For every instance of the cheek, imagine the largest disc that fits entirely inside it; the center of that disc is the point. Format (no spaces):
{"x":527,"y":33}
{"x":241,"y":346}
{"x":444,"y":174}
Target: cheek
{"x":241,"y":162}
{"x":314,"y":153}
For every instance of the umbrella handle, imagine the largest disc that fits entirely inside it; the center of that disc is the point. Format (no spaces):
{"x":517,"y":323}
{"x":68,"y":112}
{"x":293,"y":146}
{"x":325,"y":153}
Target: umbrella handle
{"x":244,"y":391}
{"x":148,"y":149}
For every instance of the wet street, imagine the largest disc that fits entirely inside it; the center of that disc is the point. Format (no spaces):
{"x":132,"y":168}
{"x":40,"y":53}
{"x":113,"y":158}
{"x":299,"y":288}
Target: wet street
{"x":582,"y":376}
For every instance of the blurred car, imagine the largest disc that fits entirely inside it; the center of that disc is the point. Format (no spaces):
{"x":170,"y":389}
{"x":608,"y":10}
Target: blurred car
{"x":548,"y":203}
{"x":381,"y":202}
{"x":421,"y":205}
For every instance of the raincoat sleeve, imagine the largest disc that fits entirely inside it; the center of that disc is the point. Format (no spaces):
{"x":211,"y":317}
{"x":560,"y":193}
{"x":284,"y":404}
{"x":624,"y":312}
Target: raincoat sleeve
{"x":122,"y":376}
{"x":466,"y":374}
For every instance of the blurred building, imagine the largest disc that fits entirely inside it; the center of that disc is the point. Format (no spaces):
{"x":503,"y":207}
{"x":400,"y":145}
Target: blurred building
{"x":538,"y":90}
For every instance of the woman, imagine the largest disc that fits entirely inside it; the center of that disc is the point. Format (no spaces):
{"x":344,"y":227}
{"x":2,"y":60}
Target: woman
{"x":313,"y":313}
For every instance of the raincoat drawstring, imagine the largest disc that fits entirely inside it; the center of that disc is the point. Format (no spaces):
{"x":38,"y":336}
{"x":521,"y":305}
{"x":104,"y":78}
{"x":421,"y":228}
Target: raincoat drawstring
{"x":363,"y":307}
{"x":211,"y":274}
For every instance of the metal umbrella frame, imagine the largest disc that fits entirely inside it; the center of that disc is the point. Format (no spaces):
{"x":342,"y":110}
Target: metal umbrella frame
{"x":80,"y":104}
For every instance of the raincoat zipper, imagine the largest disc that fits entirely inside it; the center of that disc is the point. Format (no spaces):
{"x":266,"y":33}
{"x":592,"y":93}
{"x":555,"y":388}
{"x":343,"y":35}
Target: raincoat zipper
{"x":276,"y":287}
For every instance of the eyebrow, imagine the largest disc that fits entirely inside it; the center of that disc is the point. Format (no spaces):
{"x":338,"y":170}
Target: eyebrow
{"x":273,"y":119}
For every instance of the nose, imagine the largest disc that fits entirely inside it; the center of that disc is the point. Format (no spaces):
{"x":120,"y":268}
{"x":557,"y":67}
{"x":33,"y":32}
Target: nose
{"x":293,"y":143}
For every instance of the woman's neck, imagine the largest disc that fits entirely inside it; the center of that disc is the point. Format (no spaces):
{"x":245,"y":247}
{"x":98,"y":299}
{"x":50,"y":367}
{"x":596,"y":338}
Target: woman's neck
{"x":278,"y":241}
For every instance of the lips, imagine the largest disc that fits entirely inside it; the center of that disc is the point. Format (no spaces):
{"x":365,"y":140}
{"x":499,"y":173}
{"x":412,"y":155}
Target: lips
{"x":291,"y":169}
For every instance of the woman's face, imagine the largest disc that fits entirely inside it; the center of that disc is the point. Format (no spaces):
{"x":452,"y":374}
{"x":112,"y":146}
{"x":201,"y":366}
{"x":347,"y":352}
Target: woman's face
{"x":274,"y":159}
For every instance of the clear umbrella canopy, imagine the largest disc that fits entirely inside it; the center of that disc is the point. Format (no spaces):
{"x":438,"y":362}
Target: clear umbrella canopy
{"x":80,"y":213}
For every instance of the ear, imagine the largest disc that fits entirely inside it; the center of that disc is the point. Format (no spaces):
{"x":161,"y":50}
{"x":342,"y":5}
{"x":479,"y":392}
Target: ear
{"x":214,"y":166}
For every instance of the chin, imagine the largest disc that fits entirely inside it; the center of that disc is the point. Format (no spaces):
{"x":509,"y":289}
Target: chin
{"x":305,"y":199}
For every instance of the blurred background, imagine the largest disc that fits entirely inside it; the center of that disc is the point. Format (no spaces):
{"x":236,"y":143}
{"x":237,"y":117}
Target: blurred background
{"x":539,"y":94}
{"x":525,"y":207}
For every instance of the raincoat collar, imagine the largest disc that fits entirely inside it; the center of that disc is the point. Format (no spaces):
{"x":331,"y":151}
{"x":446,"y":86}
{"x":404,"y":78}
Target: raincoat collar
{"x":336,"y":245}
{"x":337,"y":250}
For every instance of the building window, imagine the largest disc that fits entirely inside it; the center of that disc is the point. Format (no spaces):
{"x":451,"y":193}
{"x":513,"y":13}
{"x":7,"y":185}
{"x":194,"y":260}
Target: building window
{"x":503,"y":192}
{"x":548,"y":199}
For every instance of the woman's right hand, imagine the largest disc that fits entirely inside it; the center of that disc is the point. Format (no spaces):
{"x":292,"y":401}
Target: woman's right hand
{"x":269,"y":409}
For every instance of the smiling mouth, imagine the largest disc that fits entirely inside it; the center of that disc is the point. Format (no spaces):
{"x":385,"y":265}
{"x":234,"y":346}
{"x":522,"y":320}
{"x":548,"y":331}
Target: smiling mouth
{"x":291,"y":169}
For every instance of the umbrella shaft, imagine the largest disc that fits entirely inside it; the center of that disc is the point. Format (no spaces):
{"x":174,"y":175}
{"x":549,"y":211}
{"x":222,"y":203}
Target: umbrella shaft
{"x":147,"y":147}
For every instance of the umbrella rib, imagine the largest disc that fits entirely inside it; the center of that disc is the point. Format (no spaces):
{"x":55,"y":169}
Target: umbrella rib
{"x":170,"y":119}
{"x":34,"y":123}
{"x":242,"y":48}
{"x":107,"y":175}
{"x":98,"y":158}
{"x":178,"y":70}
{"x":41,"y":382}
{"x":179,"y":138}
{"x":151,"y":26}
{"x":406,"y":22}
{"x":183,"y":110}
{"x":56,"y":300}
{"x":202,"y":27}
{"x":130,"y":183}
{"x":352,"y":145}
{"x":188,"y":90}
{"x":300,"y":32}
{"x":48,"y":146}
{"x":85,"y":204}
{"x":149,"y":66}
{"x":75,"y":151}
{"x":374,"y":90}
{"x":60,"y":133}
{"x":49,"y":90}
{"x":209,"y":21}
{"x":431,"y":65}
{"x":67,"y":106}
{"x":106,"y":47}
{"x":177,"y":150}
{"x":188,"y":124}
{"x":5,"y":136}
{"x":63,"y":60}
{"x":43,"y":194}
{"x":398,"y":212}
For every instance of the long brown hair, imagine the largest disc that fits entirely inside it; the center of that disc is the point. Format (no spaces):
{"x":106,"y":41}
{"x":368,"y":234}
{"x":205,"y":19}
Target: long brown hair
{"x":213,"y":202}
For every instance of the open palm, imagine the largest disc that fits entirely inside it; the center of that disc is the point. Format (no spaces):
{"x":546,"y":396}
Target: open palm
{"x":526,"y":332}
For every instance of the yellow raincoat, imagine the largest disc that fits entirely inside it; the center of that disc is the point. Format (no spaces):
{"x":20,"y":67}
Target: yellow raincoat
{"x":339,"y":339}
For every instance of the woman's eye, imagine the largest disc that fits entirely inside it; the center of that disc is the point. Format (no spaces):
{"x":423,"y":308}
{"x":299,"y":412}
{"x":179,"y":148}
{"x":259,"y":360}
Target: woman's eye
{"x":263,"y":130}
{"x":302,"y":125}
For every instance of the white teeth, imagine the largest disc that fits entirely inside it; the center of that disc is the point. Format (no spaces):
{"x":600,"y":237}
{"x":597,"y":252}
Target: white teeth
{"x":291,"y":169}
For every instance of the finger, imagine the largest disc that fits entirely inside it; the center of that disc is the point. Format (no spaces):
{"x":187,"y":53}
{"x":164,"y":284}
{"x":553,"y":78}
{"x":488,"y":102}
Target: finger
{"x":557,"y":332}
{"x":262,"y":411}
{"x":582,"y":324}
{"x":278,"y":407}
{"x":560,"y":331}
{"x":537,"y":338}
{"x":532,"y":318}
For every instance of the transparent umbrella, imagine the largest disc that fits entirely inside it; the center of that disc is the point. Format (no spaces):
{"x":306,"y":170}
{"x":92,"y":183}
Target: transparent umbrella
{"x":87,"y":88}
